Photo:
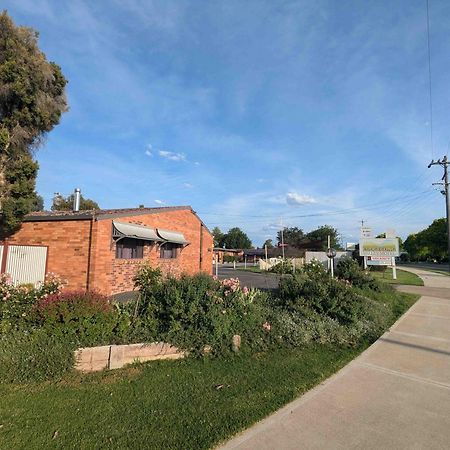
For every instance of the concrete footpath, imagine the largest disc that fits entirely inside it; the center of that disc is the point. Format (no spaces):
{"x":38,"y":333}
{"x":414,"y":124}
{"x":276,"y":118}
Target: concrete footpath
{"x":395,"y":395}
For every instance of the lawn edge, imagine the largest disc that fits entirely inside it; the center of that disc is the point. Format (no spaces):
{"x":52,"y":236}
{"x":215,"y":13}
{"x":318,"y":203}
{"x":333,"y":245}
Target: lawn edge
{"x":303,"y":398}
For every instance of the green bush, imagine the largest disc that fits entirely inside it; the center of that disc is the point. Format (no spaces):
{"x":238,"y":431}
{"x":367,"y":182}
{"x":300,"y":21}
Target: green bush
{"x":230,"y":258}
{"x":348,"y":269}
{"x":34,"y":356}
{"x":283,"y":267}
{"x":312,"y":290}
{"x":197,"y":311}
{"x":16,"y":302}
{"x":85,"y":318}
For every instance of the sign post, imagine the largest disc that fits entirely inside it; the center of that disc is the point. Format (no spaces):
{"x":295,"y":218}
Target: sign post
{"x":380,"y":251}
{"x":394,"y":269}
{"x":365,"y":232}
{"x":331,"y":253}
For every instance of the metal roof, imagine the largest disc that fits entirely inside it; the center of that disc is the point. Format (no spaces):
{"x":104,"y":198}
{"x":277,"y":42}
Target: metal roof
{"x":102,"y":214}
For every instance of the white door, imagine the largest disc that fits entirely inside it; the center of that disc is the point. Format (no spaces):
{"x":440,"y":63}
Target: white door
{"x":26,"y":264}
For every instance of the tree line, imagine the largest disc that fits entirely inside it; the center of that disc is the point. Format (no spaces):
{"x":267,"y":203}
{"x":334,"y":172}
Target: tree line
{"x":295,"y":237}
{"x":428,"y":244}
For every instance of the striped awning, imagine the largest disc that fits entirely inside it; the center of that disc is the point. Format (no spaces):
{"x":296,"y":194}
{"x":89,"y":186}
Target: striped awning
{"x":134,"y":231}
{"x":172,"y":236}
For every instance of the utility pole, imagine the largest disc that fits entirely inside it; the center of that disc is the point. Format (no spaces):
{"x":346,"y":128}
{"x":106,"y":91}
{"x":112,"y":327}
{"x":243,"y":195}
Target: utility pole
{"x":444,"y":162}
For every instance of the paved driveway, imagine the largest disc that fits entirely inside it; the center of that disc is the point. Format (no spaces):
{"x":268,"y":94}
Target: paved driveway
{"x":265,"y":281}
{"x":395,"y":395}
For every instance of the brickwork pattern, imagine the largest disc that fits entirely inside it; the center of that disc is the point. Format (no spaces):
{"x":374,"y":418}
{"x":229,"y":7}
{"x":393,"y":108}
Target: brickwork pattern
{"x":69,"y":240}
{"x":113,"y":275}
{"x":68,"y":247}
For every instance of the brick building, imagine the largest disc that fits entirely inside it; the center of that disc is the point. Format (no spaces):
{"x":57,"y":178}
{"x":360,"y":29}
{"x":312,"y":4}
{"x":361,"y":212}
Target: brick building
{"x":101,"y":250}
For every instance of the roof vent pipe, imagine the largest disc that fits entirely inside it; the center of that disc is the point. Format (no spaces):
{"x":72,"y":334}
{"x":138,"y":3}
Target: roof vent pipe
{"x":76,"y":199}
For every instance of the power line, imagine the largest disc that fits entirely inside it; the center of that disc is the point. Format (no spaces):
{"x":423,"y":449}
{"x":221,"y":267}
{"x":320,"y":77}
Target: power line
{"x":326,"y":213}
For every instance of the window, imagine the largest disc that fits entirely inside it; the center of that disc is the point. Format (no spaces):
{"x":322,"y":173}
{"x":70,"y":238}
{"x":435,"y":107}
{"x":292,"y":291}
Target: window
{"x":129,"y":248}
{"x":169,"y":250}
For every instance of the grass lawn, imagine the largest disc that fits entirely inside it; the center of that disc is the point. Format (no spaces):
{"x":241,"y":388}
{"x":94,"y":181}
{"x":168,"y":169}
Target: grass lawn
{"x":165,"y":404}
{"x":403,"y":277}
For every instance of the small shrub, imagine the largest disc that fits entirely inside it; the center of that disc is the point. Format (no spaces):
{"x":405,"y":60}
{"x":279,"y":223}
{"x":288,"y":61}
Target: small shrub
{"x":282,"y":267}
{"x":34,"y":356}
{"x":230,"y":258}
{"x":348,"y":269}
{"x":87,"y":318}
{"x":16,"y":302}
{"x":194,"y":311}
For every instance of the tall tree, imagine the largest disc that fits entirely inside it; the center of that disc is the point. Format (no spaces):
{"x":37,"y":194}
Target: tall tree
{"x":321,"y":235}
{"x":236,"y":238}
{"x":430,"y":243}
{"x":218,"y":236}
{"x":292,"y":236}
{"x":268,"y":243}
{"x":38,"y":203}
{"x":61,"y":203}
{"x":32,"y":100}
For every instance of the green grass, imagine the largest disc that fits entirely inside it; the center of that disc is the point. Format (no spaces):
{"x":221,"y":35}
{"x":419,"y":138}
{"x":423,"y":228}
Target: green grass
{"x":165,"y":404}
{"x":403,"y":277}
{"x":168,"y":404}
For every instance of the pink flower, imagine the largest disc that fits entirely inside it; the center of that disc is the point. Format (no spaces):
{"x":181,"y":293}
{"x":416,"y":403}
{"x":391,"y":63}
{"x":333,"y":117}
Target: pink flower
{"x":267,"y":326}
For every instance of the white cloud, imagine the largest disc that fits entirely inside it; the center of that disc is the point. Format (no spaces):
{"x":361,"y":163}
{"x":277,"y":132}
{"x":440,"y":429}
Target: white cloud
{"x":149,"y":151}
{"x":172,"y":156}
{"x":188,"y":185}
{"x":296,"y":199}
{"x":159,"y":202}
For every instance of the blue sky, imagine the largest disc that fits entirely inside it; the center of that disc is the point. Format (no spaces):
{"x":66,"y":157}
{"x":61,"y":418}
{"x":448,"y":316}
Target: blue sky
{"x":253,"y":112}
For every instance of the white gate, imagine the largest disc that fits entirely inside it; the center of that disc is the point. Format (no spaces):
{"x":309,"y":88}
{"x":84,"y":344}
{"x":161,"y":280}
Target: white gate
{"x":25,"y":263}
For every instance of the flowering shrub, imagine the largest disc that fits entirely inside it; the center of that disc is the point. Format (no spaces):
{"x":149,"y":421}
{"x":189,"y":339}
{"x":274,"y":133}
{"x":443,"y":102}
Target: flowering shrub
{"x":313,"y":290}
{"x":16,"y":302}
{"x":348,"y":269}
{"x":283,"y":267}
{"x":86,"y":317}
{"x":194,"y":311}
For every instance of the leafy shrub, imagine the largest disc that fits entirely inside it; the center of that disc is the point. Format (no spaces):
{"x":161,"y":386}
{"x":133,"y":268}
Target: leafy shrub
{"x":16,"y":302}
{"x":282,"y":267}
{"x":348,"y":269}
{"x":312,"y":290}
{"x":230,"y":258}
{"x":34,"y":356}
{"x":87,"y":318}
{"x":194,"y":311}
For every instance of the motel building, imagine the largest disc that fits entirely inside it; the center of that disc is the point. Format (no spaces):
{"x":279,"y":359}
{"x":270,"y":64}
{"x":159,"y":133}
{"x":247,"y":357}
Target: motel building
{"x":101,"y":250}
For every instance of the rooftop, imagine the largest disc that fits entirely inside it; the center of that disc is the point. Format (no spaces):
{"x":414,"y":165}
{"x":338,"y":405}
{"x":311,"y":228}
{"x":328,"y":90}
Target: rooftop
{"x":100,"y":213}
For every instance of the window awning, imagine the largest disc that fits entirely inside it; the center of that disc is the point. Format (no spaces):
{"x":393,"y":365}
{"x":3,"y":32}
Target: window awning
{"x":172,"y":236}
{"x":134,"y":231}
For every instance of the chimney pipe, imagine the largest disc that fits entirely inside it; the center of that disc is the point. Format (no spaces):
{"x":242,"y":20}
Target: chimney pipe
{"x":76,"y":200}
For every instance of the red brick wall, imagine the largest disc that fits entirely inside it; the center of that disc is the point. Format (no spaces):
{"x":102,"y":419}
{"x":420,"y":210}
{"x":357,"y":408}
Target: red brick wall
{"x":111,"y":275}
{"x":68,"y":247}
{"x":68,"y":254}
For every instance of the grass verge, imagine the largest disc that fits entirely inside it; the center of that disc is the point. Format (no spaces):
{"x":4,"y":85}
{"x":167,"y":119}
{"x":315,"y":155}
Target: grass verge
{"x":403,"y":277}
{"x":167,"y":404}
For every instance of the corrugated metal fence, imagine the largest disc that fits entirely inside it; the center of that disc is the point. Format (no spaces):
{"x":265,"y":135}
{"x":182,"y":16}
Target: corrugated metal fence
{"x":25,"y":263}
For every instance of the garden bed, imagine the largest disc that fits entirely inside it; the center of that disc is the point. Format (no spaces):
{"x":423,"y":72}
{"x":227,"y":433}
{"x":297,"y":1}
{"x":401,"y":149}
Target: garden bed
{"x":292,"y":339}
